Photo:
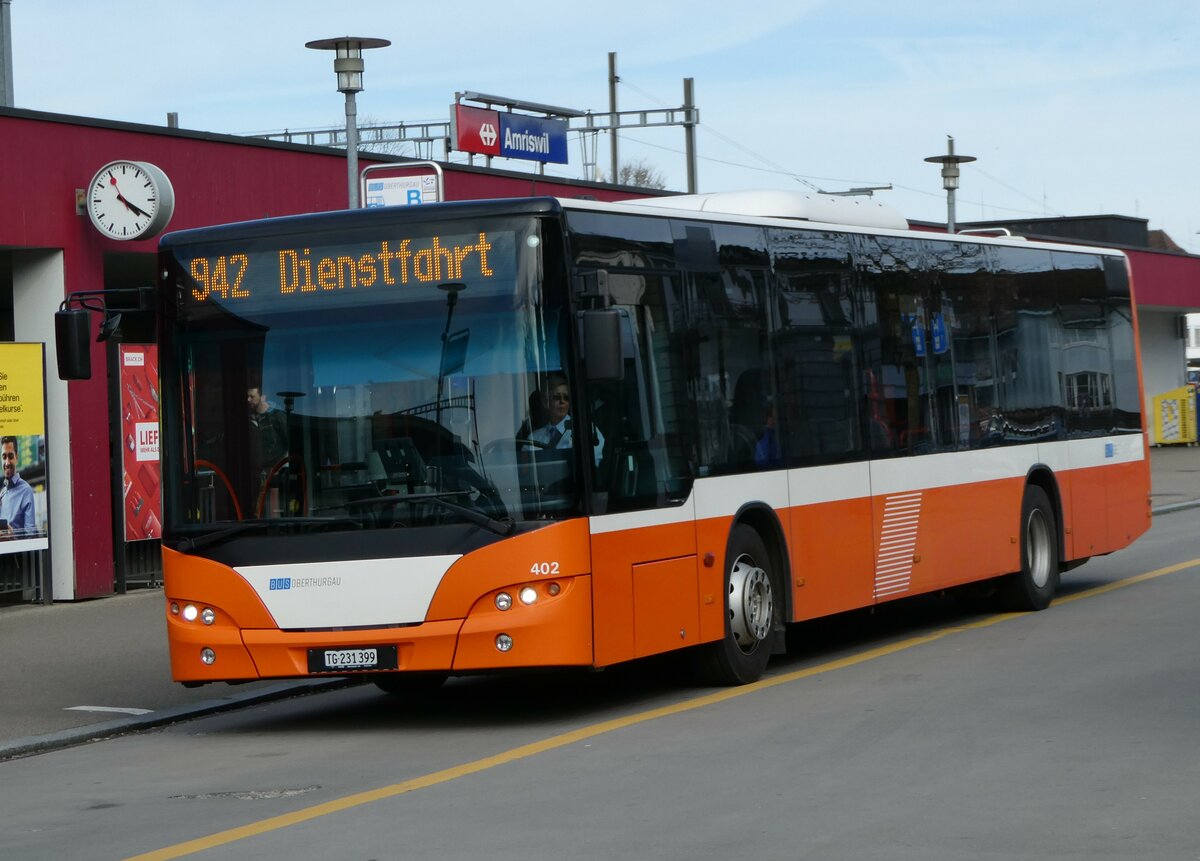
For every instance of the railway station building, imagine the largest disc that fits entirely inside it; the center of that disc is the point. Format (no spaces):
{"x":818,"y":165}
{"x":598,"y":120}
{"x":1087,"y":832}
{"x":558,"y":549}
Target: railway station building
{"x":95,"y":503}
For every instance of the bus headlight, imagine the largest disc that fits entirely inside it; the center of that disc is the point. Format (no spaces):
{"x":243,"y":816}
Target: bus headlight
{"x":208,"y":656}
{"x":190,"y":612}
{"x":503,"y":601}
{"x":504,"y":642}
{"x":207,"y":616}
{"x":528,"y":595}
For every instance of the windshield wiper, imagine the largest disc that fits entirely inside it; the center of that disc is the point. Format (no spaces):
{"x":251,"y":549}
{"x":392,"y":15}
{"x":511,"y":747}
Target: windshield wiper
{"x":220,"y":536}
{"x":500,"y":527}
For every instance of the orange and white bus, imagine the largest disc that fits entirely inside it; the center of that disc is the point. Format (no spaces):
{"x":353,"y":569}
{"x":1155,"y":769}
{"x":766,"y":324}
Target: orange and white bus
{"x":561,"y":433}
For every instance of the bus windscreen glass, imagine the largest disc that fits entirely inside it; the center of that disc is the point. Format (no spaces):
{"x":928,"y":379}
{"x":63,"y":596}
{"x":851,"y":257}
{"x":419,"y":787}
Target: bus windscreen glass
{"x":364,"y":381}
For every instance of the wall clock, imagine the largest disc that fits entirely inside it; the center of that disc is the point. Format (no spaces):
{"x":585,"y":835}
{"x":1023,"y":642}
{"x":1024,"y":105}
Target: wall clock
{"x":130,"y":200}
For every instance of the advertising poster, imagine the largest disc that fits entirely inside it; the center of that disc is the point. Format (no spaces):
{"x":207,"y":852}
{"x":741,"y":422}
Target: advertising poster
{"x":140,"y":475}
{"x":24,"y":513}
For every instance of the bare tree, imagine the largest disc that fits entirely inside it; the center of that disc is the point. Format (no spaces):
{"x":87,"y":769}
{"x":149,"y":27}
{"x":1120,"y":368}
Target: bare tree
{"x":641,"y":174}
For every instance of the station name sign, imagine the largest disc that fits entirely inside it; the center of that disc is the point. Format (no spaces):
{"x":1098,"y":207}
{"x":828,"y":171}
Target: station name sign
{"x":500,"y":133}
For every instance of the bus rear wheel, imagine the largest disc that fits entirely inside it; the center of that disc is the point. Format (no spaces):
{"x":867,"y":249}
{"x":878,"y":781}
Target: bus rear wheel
{"x":1033,"y":587}
{"x":741,"y":655}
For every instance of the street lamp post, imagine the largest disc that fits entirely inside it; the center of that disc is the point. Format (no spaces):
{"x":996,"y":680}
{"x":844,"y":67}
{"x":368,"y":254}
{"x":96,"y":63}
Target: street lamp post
{"x":348,"y":66}
{"x":950,"y":173}
{"x":6,"y":67}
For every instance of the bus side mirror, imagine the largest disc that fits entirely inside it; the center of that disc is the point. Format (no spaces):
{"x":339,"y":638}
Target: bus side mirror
{"x":602,"y":345}
{"x":73,"y":344}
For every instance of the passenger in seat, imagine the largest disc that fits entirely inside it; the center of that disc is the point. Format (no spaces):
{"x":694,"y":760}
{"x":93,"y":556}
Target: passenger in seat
{"x":767,"y":454}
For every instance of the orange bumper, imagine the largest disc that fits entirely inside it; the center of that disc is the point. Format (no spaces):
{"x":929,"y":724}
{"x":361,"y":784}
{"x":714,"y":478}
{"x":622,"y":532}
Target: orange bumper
{"x":244,"y":643}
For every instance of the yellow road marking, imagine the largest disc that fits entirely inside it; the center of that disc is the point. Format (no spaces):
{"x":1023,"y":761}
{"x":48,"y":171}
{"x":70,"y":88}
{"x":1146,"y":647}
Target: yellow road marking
{"x":525,"y":751}
{"x":1120,"y":584}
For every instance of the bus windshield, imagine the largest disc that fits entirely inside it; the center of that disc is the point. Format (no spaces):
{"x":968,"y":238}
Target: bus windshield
{"x":368,"y":379}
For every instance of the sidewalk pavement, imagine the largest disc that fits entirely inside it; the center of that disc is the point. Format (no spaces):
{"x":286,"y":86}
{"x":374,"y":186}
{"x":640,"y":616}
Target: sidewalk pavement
{"x":1174,"y":477}
{"x":72,"y":672}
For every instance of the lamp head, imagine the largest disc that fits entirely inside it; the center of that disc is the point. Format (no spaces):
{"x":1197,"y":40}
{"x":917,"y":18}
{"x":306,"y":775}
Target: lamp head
{"x":347,"y":59}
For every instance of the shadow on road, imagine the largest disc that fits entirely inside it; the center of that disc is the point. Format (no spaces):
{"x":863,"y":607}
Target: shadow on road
{"x":539,"y":697}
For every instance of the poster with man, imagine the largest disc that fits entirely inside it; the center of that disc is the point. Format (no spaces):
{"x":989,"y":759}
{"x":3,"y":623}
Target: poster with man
{"x":24,"y":513}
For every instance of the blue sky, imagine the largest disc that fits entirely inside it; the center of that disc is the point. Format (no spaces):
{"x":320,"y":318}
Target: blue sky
{"x":1072,"y":108}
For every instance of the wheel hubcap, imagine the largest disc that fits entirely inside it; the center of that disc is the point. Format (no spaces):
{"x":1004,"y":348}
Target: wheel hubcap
{"x":1037,"y":548}
{"x":751,"y":603}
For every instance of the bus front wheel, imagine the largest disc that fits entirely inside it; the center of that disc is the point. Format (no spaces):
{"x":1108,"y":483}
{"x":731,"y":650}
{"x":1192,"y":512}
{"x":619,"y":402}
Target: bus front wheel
{"x":741,"y":655}
{"x":1034,"y":585}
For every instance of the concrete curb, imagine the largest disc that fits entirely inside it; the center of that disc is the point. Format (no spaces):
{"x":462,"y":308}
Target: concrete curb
{"x":35,"y":744}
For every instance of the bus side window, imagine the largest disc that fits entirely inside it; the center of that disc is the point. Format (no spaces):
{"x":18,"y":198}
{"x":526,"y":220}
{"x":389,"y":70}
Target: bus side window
{"x":893,"y":272}
{"x":747,"y":417}
{"x":820,"y":317}
{"x":732,"y":373}
{"x":648,"y":456}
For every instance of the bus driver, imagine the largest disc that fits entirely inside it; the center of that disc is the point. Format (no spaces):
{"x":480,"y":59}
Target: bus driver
{"x":557,"y":433}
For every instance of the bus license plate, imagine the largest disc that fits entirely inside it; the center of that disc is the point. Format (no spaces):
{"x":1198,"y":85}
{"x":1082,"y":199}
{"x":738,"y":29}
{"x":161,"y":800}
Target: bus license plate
{"x":351,"y":660}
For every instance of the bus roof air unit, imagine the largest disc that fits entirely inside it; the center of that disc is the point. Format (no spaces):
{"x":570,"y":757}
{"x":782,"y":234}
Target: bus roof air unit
{"x":775,"y":203}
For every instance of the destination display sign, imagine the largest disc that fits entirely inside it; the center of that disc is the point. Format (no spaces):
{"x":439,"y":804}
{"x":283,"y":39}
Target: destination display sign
{"x":500,"y":133}
{"x":304,"y":272}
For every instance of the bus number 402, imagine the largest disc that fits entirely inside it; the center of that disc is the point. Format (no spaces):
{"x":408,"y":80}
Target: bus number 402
{"x":544,"y":569}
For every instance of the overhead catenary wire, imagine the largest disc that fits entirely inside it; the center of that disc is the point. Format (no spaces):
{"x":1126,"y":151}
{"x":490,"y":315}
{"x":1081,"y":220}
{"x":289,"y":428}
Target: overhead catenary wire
{"x":852,"y":182}
{"x":769,"y":166}
{"x":1016,"y":191}
{"x":708,"y":129}
{"x":812,"y":181}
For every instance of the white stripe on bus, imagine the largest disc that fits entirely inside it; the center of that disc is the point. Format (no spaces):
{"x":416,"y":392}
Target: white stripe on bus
{"x":722,"y":496}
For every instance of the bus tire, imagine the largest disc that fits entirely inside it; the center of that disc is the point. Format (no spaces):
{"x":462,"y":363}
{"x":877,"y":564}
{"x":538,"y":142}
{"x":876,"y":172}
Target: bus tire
{"x":1033,"y":587}
{"x":409,"y":684}
{"x":751,"y":611}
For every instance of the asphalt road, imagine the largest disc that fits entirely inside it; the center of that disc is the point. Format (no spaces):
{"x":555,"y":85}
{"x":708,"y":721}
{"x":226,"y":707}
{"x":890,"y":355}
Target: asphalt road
{"x":917,"y":732}
{"x":79,"y":670}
